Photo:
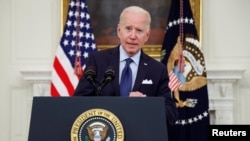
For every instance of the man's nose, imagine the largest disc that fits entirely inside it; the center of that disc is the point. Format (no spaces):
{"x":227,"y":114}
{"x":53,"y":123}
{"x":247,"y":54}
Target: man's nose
{"x":133,"y":33}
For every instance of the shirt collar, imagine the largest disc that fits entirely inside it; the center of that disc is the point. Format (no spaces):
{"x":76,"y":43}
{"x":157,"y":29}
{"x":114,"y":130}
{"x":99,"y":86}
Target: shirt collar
{"x":123,"y":55}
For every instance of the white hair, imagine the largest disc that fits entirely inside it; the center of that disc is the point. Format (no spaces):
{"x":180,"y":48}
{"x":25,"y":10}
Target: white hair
{"x":136,"y":9}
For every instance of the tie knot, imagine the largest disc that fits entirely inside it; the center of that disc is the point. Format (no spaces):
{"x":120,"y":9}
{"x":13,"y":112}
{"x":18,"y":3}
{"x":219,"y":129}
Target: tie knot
{"x":128,"y":61}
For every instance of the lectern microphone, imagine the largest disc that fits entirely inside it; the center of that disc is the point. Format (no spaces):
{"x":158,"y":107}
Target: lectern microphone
{"x":109,"y":75}
{"x":90,"y":75}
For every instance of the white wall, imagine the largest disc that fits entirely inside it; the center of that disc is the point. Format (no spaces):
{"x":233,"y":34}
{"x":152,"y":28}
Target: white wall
{"x":29,"y":35}
{"x":225,"y":37}
{"x":30,"y":31}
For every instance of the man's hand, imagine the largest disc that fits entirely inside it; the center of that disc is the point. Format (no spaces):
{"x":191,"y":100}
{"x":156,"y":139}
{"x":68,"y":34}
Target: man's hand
{"x":137,"y":94}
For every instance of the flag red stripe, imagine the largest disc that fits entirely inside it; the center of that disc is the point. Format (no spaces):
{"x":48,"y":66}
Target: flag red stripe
{"x":63,"y":76}
{"x":54,"y":91}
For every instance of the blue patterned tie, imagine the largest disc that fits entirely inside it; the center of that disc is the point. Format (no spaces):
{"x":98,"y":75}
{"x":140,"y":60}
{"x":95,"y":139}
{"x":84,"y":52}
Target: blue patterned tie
{"x":126,"y":79}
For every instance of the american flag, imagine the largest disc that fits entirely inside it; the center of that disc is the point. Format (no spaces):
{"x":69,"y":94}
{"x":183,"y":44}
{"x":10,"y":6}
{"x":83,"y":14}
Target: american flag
{"x":76,"y":44}
{"x":174,"y":82}
{"x":183,"y":56}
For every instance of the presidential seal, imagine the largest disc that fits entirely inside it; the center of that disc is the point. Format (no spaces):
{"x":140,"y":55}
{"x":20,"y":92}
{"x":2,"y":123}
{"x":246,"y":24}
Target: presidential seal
{"x":97,"y":125}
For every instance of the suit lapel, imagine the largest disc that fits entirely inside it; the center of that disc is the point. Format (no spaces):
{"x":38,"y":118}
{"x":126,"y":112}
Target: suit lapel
{"x":113,"y":58}
{"x":142,"y":71}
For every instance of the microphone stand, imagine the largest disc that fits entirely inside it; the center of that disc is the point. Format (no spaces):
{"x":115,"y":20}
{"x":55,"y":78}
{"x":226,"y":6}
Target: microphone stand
{"x":108,"y":76}
{"x":100,"y":86}
{"x":98,"y":90}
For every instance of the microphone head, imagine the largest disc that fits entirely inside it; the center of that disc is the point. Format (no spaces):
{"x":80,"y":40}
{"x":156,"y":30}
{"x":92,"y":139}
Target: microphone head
{"x":109,"y":73}
{"x":90,"y":73}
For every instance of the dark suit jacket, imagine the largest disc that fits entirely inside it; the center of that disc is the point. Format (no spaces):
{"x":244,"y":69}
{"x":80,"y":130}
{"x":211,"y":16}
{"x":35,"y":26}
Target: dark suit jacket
{"x":149,"y":69}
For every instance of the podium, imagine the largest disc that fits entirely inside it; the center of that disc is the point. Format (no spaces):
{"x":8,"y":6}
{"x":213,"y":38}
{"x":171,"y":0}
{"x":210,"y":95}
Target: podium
{"x":142,"y":119}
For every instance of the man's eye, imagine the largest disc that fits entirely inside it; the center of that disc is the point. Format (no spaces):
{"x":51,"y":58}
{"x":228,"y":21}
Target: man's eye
{"x":139,"y":30}
{"x":128,"y":28}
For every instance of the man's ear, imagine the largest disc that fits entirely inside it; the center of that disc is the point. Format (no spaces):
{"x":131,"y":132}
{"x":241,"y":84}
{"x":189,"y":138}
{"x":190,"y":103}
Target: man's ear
{"x":118,"y":30}
{"x":148,"y":34}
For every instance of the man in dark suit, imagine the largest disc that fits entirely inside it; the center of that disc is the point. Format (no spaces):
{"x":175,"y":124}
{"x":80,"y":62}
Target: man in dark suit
{"x":149,"y":76}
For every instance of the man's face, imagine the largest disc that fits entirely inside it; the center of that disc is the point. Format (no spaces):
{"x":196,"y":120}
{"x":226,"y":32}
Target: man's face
{"x":133,"y":32}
